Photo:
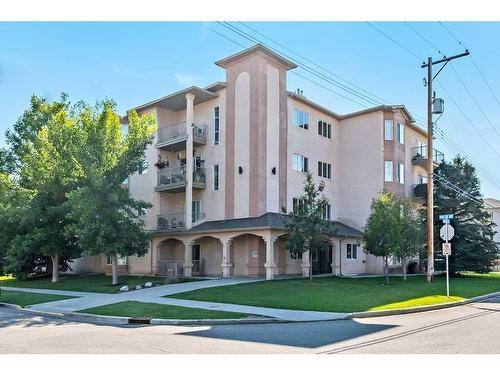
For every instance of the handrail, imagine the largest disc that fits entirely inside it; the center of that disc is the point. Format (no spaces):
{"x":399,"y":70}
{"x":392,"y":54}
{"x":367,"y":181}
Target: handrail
{"x":178,"y":130}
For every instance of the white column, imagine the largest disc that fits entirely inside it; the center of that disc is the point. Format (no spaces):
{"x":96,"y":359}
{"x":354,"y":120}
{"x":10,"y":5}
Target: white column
{"x":270,"y":265}
{"x":305,"y":264}
{"x":226,"y":261}
{"x":188,"y":258}
{"x":189,"y":160}
{"x":335,"y":257}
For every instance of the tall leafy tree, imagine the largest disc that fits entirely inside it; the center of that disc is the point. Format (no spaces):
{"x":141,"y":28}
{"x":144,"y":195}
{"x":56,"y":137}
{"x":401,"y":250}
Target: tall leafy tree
{"x":307,"y":231}
{"x":38,"y":167}
{"x":411,"y":226}
{"x":382,"y":232}
{"x":106,"y":219}
{"x":458,"y":191}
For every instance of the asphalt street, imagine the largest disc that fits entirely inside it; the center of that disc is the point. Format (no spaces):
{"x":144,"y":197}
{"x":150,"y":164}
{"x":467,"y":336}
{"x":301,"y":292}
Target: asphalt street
{"x":472,"y":328}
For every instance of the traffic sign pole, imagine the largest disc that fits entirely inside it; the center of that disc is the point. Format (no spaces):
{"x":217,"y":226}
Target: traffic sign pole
{"x":447,"y":278}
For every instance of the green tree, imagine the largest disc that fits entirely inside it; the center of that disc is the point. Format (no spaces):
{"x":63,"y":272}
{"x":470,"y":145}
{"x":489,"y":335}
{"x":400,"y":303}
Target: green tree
{"x":306,"y":228}
{"x":39,"y":168}
{"x":382,"y":234}
{"x":457,"y":190}
{"x":411,"y":226}
{"x":106,"y":219}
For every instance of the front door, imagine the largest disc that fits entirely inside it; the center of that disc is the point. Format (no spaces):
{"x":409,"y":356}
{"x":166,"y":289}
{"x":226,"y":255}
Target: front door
{"x":196,"y":255}
{"x":322,"y":262}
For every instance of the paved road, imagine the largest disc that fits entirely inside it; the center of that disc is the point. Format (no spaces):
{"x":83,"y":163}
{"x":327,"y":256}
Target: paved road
{"x":467,"y":329}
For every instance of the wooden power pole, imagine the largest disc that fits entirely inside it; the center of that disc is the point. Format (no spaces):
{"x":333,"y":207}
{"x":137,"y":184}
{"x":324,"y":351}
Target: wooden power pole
{"x":430,"y":159}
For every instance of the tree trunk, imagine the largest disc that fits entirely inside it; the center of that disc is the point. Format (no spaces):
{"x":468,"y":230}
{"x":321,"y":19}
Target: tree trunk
{"x":386,"y":270}
{"x":55,"y":268}
{"x":114,"y":272}
{"x":403,"y":260}
{"x":310,"y":266}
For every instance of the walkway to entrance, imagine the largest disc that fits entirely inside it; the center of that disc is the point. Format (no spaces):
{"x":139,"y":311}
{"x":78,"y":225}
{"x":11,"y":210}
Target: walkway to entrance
{"x":155,"y":295}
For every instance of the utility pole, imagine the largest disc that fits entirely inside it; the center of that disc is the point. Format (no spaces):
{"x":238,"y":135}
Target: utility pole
{"x":430,"y":158}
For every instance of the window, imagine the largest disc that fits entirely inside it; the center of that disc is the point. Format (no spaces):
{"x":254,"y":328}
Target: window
{"x":216,"y":126}
{"x":300,"y":163}
{"x":388,"y":175}
{"x":401,"y":173}
{"x":325,"y":170}
{"x":327,"y":213}
{"x":422,"y":179}
{"x":143,"y":168}
{"x":196,"y":210}
{"x":298,"y":205}
{"x":388,"y":130}
{"x":352,"y":251}
{"x":401,"y":133}
{"x":300,"y":118}
{"x":143,"y":211}
{"x":295,"y":255}
{"x":216,"y":177}
{"x":120,"y":261}
{"x":325,"y":129}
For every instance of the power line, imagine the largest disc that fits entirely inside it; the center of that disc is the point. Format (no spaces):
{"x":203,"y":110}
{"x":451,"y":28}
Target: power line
{"x":303,"y":66}
{"x":483,"y":77}
{"x":424,"y":39}
{"x":394,"y":41}
{"x":313,"y":63}
{"x":255,"y":40}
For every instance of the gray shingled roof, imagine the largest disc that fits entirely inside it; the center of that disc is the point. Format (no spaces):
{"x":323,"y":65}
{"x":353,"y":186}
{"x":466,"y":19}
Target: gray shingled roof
{"x":269,"y":220}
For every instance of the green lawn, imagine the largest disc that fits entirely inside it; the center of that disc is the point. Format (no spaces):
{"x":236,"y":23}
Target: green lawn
{"x":87,"y":283}
{"x":26,"y":299}
{"x":348,"y":295}
{"x":156,"y":310}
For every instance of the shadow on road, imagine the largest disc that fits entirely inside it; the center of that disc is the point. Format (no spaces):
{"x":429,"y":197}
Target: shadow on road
{"x":305,"y":335}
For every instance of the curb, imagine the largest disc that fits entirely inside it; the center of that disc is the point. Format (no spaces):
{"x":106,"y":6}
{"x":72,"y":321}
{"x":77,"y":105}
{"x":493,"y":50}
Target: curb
{"x":410,"y":310}
{"x":120,"y":320}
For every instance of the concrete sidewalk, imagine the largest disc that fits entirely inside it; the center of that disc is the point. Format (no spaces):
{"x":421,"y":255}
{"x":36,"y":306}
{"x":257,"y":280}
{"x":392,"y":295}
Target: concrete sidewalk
{"x":88,"y":300}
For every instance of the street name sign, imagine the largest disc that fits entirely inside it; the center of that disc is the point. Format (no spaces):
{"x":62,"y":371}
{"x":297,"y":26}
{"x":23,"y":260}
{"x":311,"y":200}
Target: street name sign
{"x":446,"y":217}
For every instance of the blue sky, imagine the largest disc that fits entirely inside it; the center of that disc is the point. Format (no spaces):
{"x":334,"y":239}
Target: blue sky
{"x":133,"y":63}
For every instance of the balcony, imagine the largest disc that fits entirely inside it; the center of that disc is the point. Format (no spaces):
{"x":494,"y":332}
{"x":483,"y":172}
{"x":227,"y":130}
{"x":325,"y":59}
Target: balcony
{"x":176,"y":221}
{"x":419,"y":156}
{"x":173,"y":180}
{"x":173,"y":138}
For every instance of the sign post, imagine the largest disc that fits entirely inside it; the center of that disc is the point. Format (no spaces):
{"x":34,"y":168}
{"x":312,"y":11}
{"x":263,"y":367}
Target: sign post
{"x":447,"y":232}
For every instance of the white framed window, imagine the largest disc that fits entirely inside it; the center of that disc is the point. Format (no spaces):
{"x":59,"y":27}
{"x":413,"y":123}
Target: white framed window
{"x":216,"y":125}
{"x":327,"y":212}
{"x":388,"y":171}
{"x":325,"y":170}
{"x":325,"y":129}
{"x":300,"y":163}
{"x":196,"y":210}
{"x":215,"y":177}
{"x":352,"y":251}
{"x":422,"y":179}
{"x":401,"y":173}
{"x":300,"y":118}
{"x":388,"y":130}
{"x":401,"y":133}
{"x":298,"y":204}
{"x":143,"y":169}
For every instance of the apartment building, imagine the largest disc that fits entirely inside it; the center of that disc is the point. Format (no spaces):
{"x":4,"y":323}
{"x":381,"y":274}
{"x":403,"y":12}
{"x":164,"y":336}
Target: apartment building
{"x":228,"y":157}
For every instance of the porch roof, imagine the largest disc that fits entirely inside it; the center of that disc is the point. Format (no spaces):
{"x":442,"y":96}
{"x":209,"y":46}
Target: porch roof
{"x":269,"y":220}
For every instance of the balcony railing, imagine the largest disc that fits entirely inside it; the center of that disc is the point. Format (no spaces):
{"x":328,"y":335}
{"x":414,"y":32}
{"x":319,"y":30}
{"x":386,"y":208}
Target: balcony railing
{"x":419,"y":155}
{"x":176,"y":177}
{"x":173,"y":221}
{"x":177,"y":221}
{"x":178,"y":132}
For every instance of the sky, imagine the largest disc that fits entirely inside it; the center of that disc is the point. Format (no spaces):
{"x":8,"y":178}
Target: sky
{"x":133,"y":63}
